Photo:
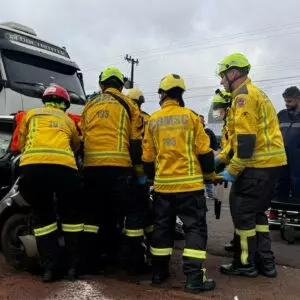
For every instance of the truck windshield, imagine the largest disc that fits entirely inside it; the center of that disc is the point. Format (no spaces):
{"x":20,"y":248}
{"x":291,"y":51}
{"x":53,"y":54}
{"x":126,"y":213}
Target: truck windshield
{"x":25,"y":72}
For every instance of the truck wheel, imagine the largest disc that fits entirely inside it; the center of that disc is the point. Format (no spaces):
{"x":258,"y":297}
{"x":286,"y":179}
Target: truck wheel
{"x":12,"y":248}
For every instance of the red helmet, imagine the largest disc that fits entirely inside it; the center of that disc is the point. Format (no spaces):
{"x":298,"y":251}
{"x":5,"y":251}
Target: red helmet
{"x":56,"y":93}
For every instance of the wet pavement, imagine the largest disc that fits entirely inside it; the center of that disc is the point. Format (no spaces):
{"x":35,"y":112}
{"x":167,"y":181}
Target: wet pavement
{"x":15,"y":285}
{"x":118,"y":286}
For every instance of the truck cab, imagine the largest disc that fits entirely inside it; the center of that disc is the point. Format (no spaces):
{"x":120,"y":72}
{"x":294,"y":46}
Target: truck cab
{"x":216,"y":125}
{"x":28,"y":65}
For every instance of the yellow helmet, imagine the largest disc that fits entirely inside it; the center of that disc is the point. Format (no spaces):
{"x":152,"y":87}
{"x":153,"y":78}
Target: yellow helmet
{"x":221,"y":99}
{"x":111,"y":72}
{"x":234,"y":60}
{"x":137,"y":95}
{"x":171,"y":81}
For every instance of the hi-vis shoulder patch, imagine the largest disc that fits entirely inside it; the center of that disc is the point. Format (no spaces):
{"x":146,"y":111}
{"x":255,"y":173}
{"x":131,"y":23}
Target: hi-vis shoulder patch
{"x":240,"y":102}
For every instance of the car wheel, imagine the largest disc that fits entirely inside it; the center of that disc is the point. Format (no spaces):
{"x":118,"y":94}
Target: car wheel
{"x":12,"y":247}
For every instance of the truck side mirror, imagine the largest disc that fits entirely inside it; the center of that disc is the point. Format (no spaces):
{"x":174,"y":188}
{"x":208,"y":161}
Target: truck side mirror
{"x":127,"y":83}
{"x":80,"y":77}
{"x":2,"y":84}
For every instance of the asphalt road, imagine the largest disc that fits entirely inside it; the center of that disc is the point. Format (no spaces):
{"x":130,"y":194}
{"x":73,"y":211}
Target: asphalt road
{"x":17,"y":285}
{"x":221,"y":231}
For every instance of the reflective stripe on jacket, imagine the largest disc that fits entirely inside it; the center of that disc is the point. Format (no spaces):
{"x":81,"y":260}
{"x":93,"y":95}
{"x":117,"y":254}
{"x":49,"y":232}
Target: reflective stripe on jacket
{"x":174,"y":138}
{"x":107,"y":130}
{"x":227,"y":136}
{"x":48,"y":136}
{"x":257,"y":140}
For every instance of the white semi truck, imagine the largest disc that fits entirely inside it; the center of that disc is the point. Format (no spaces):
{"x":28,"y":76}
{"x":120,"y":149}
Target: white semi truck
{"x":216,"y":125}
{"x":28,"y":65}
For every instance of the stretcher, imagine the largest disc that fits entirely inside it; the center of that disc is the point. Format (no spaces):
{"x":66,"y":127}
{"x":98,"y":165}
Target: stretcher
{"x":285,"y":216}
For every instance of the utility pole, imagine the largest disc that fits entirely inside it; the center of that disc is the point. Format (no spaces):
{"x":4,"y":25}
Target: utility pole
{"x":133,"y":62}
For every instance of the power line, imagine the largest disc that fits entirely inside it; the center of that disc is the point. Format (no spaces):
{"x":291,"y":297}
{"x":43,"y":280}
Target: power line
{"x":270,"y":68}
{"x":179,"y":51}
{"x":230,"y":36}
{"x":264,"y":30}
{"x":203,"y":48}
{"x":212,"y":87}
{"x":297,"y":78}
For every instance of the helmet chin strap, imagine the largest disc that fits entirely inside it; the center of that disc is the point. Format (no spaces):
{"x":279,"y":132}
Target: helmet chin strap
{"x":162,"y":99}
{"x":137,"y":102}
{"x":231,"y":82}
{"x":61,"y":105}
{"x":181,"y":103}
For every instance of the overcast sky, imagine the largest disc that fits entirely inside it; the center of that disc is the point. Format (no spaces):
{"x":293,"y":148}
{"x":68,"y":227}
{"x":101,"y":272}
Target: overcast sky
{"x":185,"y":37}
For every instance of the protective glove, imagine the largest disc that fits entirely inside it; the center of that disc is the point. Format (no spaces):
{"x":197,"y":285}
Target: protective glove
{"x":212,"y":178}
{"x":228,"y":177}
{"x":217,"y":161}
{"x":218,"y":179}
{"x":142,"y":180}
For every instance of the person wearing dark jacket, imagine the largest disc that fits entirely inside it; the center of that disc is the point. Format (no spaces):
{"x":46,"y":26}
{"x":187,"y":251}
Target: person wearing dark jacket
{"x":288,"y":186}
{"x":211,"y":135}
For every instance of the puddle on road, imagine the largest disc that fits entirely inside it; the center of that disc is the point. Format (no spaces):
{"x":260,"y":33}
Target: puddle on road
{"x":80,"y":290}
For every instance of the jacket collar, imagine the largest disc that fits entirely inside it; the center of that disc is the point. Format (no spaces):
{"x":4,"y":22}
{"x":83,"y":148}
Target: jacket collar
{"x":169,"y":103}
{"x":247,"y":81}
{"x":113,"y":91}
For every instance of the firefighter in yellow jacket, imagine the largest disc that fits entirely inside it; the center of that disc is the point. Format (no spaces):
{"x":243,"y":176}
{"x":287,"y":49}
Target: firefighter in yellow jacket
{"x":111,"y":129}
{"x":48,"y":139}
{"x":141,"y":188}
{"x":258,"y":154}
{"x":138,"y":97}
{"x":177,"y":144}
{"x":221,"y":106}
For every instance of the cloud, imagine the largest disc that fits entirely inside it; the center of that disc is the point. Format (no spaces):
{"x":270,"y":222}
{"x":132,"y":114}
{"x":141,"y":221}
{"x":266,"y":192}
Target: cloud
{"x":185,"y":37}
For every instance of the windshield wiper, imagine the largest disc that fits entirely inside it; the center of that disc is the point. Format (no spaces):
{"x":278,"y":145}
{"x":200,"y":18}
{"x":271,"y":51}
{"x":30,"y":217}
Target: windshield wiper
{"x":72,"y":92}
{"x":30,"y":83}
{"x":78,"y":98}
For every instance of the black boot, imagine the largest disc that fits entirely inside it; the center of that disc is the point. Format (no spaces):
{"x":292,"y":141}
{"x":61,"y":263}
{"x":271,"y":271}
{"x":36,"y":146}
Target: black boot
{"x":49,"y":252}
{"x":160,"y":269}
{"x":271,"y":273}
{"x":237,"y":269}
{"x":73,"y":253}
{"x":229,"y":247}
{"x":159,"y":276}
{"x":267,"y":269}
{"x":197,"y":283}
{"x":47,"y":276}
{"x":72,"y":274}
{"x":132,"y":255}
{"x":90,"y":254}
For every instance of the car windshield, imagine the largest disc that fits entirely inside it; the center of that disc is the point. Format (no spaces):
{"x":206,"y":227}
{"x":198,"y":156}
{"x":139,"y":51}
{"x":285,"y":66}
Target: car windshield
{"x":26,"y":72}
